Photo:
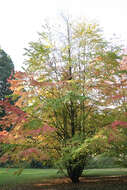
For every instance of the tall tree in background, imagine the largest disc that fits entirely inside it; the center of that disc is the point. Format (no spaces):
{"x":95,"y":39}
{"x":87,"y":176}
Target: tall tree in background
{"x":6,"y":71}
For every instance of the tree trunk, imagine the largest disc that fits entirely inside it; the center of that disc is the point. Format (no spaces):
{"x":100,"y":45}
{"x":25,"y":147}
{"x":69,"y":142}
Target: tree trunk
{"x":74,"y":172}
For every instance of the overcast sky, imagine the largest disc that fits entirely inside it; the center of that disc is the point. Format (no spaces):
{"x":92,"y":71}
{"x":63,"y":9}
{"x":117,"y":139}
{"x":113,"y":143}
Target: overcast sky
{"x":20,"y":20}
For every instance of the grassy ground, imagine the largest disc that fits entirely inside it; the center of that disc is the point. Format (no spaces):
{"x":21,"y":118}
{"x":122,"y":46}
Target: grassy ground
{"x":7,"y":176}
{"x":105,"y":172}
{"x":39,"y":175}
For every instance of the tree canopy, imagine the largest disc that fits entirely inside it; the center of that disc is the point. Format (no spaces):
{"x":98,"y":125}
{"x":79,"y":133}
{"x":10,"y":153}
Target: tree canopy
{"x":70,"y":81}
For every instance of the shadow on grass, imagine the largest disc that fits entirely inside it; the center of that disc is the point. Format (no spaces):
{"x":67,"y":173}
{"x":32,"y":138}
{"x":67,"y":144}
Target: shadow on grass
{"x":86,"y":183}
{"x":80,"y":186}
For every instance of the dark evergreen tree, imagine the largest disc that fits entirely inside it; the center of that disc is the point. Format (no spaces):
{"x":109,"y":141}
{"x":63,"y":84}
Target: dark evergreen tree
{"x":6,"y":71}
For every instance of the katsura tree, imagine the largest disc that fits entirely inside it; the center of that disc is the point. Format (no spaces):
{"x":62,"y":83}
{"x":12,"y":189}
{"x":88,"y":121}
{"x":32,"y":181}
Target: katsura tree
{"x":63,"y":93}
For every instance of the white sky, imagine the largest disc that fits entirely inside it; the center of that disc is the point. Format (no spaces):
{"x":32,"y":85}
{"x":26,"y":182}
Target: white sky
{"x":20,"y":20}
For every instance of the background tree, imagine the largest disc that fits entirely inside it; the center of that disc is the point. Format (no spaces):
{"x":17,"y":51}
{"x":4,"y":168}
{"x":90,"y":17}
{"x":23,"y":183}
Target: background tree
{"x":6,"y":70}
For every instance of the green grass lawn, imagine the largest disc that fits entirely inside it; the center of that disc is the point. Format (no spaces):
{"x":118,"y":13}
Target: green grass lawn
{"x":7,"y":176}
{"x":37,"y":175}
{"x":105,"y":172}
